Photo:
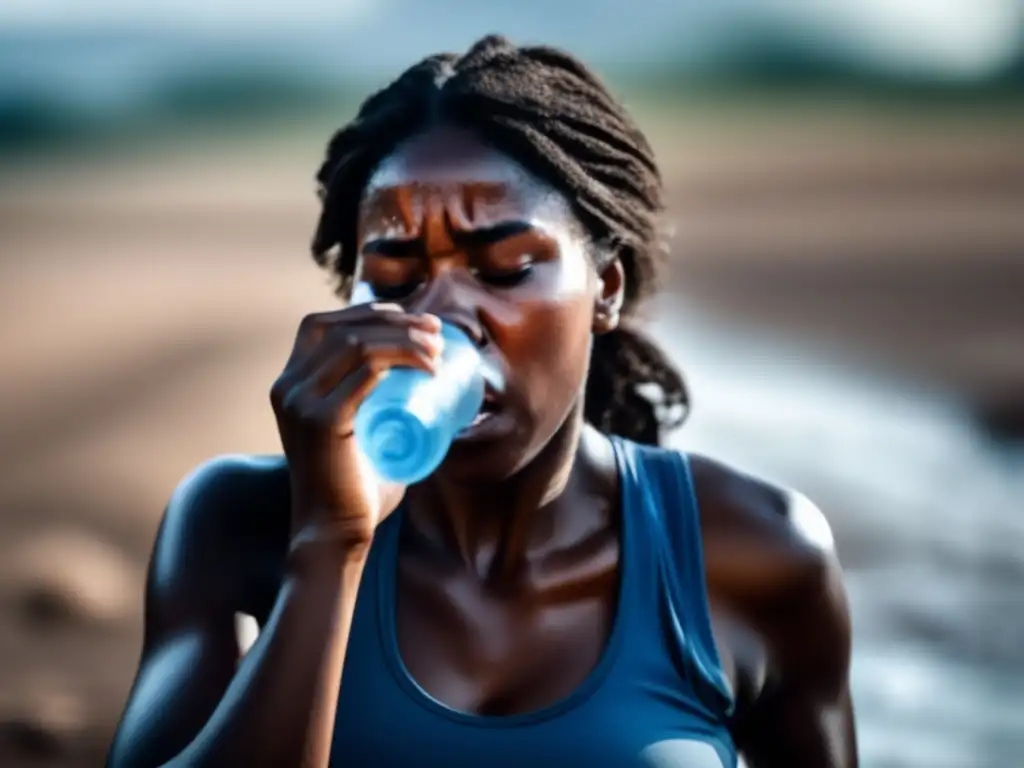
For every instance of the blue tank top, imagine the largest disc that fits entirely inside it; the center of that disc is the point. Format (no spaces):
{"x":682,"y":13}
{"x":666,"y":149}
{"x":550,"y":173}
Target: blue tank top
{"x":657,"y":696}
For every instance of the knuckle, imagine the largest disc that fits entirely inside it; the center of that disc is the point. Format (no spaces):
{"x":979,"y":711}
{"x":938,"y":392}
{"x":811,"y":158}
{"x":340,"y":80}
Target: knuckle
{"x":394,"y":317}
{"x":311,"y":327}
{"x":292,"y":402}
{"x":279,"y":390}
{"x":309,"y":322}
{"x":355,"y":342}
{"x":341,"y":425}
{"x":277,"y":395}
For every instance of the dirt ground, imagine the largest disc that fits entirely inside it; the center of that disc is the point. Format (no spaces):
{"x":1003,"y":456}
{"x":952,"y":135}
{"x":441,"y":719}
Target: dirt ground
{"x":148,"y":302}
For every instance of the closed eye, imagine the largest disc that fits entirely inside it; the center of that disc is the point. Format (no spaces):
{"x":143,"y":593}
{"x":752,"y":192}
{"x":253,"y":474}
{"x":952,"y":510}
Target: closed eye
{"x":506,"y":279}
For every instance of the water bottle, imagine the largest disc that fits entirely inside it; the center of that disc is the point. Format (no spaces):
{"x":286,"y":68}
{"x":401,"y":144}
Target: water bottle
{"x":407,"y":423}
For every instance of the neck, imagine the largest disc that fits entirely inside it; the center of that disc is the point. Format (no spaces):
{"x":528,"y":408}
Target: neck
{"x":495,"y":529}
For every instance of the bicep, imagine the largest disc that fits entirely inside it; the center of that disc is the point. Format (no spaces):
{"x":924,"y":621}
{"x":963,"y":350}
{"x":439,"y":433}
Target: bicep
{"x":795,"y":600}
{"x":804,"y":714}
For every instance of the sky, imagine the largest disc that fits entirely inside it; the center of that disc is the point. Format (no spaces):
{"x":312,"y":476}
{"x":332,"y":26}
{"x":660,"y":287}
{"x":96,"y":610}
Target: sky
{"x":958,"y":38}
{"x":203,"y":15}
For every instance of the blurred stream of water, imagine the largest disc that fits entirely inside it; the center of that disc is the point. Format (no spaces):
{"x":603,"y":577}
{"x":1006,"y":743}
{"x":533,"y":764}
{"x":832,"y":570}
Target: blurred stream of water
{"x":927,"y":516}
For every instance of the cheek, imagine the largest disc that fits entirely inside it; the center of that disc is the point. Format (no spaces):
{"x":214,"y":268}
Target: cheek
{"x":575,"y":276}
{"x":551,"y":359}
{"x":566,"y":279}
{"x":553,"y":353}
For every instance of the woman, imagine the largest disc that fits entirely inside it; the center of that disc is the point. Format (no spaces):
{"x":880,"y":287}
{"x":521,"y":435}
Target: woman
{"x":558,"y":592}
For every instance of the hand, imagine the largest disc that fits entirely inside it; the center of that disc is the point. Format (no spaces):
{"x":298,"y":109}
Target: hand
{"x":337,"y":360}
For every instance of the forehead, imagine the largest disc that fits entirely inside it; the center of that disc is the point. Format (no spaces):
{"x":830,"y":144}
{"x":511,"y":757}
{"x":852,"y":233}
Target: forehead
{"x":454,"y":162}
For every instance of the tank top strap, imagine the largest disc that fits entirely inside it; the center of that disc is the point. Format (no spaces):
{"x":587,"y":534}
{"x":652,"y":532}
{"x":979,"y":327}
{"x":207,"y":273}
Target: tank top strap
{"x":676,"y":518}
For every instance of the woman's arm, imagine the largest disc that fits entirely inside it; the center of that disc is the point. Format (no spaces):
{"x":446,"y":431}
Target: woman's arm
{"x":803,"y":716}
{"x":770,"y":557}
{"x":192,"y":703}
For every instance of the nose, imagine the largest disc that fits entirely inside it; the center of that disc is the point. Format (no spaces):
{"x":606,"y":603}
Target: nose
{"x":447,"y":298}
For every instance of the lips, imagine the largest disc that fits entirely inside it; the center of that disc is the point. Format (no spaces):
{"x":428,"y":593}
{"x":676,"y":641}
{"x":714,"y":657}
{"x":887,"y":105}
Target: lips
{"x":489,"y":421}
{"x":490,"y":407}
{"x":491,"y":399}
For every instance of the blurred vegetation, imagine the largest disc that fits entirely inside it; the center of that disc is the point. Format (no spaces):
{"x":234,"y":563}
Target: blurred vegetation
{"x":186,"y":104}
{"x":254,"y":98}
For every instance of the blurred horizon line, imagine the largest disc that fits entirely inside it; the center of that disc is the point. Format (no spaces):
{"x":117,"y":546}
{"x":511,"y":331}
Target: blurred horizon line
{"x":71,"y":86}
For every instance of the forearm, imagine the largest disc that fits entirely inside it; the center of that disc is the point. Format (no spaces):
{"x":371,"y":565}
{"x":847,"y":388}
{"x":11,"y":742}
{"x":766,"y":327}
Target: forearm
{"x":280,"y":706}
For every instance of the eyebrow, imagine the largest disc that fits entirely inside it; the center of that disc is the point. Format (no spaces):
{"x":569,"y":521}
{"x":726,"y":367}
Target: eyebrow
{"x":403,"y":248}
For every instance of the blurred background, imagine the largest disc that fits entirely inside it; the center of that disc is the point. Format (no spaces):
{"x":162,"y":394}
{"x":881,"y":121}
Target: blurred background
{"x":846,"y":185}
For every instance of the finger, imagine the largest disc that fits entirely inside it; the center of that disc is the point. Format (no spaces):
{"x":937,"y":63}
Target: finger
{"x":357,"y":312}
{"x":380,"y":356}
{"x":385,"y":313}
{"x":343,"y":337}
{"x":345,"y":344}
{"x":430,"y":342}
{"x":338,"y":407}
{"x":341,"y":404}
{"x":315,"y":325}
{"x":297,"y":389}
{"x":301,"y":369}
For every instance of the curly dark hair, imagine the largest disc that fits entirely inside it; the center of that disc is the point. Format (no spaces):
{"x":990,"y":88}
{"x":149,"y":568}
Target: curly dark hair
{"x":548,"y":111}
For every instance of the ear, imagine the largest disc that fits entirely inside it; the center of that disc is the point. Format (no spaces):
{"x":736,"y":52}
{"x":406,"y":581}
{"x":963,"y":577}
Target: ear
{"x":608,"y":302}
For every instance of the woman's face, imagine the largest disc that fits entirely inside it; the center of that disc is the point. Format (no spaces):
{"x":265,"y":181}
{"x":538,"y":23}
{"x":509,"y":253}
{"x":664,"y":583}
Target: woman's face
{"x":452,"y":227}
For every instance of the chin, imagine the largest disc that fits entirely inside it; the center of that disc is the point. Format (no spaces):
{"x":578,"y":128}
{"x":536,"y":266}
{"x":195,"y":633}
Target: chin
{"x":488,"y":462}
{"x":493,"y":459}
{"x":496,"y":457}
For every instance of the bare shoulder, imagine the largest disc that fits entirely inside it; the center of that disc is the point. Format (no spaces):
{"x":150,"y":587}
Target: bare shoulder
{"x":227,"y":490}
{"x":785,"y":533}
{"x":770,"y":556}
{"x":225,"y":524}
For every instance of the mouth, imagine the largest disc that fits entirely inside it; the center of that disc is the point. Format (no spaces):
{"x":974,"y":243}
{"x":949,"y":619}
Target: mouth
{"x":486,"y":418}
{"x":490,"y":407}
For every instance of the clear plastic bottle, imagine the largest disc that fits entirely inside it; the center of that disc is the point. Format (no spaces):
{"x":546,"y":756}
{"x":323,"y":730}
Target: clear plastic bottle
{"x":407,"y":423}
